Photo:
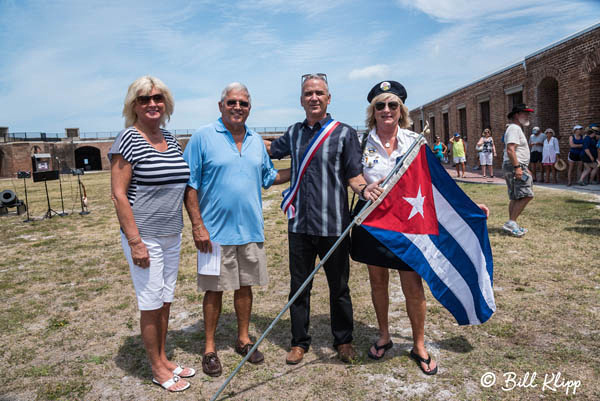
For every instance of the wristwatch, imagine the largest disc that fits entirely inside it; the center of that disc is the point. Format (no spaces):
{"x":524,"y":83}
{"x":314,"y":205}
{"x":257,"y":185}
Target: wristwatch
{"x":517,"y":166}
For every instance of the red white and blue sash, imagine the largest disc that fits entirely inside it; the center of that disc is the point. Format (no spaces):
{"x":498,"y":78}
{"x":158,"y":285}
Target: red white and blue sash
{"x":290,"y":194}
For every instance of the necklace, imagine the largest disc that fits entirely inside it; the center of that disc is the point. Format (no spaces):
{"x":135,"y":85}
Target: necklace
{"x":387,"y":145}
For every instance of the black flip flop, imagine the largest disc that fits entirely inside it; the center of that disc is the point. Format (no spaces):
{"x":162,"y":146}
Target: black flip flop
{"x":383,"y":347}
{"x":418,"y":360}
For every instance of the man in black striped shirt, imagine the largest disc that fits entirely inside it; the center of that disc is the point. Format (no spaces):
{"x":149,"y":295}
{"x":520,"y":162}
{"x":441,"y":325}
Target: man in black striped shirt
{"x":321,"y":208}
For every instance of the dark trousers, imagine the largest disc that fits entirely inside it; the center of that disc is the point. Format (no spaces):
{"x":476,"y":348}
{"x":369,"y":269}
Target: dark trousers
{"x":303,"y":250}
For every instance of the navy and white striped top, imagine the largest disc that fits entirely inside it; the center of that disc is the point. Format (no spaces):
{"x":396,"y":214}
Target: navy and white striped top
{"x":157,"y":184}
{"x":322,"y":200}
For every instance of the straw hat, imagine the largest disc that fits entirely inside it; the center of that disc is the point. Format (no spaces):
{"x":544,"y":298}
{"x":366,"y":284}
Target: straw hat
{"x":560,"y":165}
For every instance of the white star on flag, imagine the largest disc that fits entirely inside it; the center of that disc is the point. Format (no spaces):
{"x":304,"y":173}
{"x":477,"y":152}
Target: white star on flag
{"x":416,"y":203}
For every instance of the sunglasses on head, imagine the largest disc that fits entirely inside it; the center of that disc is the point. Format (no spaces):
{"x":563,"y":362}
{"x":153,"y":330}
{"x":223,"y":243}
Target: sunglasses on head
{"x":145,"y":99}
{"x":381,"y":105}
{"x":241,"y":103}
{"x":318,"y":75}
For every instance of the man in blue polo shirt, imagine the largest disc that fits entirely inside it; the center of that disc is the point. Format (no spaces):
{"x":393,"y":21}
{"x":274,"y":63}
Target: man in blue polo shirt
{"x":228,"y":165}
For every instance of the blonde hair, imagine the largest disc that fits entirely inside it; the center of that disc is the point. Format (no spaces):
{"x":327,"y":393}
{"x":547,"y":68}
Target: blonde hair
{"x":141,"y":87}
{"x":404,"y":121}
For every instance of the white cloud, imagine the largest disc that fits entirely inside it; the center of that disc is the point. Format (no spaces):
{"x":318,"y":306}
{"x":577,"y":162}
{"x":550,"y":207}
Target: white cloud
{"x":372,"y":71}
{"x":461,"y":10}
{"x":309,"y":8}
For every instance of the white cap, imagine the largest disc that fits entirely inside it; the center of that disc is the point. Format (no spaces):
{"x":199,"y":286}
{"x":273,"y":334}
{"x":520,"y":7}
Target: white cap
{"x":535,"y":130}
{"x":577,"y":127}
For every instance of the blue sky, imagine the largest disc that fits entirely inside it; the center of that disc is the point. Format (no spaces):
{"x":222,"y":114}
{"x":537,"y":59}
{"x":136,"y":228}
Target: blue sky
{"x":68,"y":63}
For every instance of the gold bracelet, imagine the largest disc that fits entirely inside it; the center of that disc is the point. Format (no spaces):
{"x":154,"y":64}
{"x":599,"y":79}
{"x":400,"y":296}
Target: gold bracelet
{"x":129,"y":241}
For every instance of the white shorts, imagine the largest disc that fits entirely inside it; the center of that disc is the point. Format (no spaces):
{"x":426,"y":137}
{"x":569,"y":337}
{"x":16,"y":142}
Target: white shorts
{"x":459,"y":160}
{"x":155,"y":285}
{"x":486,"y":159}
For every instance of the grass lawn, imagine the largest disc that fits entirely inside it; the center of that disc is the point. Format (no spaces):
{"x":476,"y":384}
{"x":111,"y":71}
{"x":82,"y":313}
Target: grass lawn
{"x":70,"y":326}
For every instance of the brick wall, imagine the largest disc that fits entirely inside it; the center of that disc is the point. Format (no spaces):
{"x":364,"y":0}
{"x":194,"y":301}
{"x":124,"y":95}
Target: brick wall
{"x":561,"y":83}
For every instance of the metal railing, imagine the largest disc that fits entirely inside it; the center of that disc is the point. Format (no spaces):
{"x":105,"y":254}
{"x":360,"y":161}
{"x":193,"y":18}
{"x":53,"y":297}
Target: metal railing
{"x":186,"y":132}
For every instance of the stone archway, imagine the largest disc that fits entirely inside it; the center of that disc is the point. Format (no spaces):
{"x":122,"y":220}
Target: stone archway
{"x":547,"y":104}
{"x":594,"y":96}
{"x":88,"y":158}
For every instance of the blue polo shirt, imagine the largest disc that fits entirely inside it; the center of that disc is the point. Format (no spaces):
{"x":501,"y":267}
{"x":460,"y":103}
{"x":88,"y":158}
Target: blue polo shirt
{"x":229,"y":182}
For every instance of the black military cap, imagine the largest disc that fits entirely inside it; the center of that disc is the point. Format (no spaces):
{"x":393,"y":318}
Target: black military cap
{"x":388,"y":87}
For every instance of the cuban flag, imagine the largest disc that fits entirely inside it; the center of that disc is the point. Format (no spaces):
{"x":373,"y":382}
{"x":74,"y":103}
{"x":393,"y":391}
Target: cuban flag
{"x":432,"y":225}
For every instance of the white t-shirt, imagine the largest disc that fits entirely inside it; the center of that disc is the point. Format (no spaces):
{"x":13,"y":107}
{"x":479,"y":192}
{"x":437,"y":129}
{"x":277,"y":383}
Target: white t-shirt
{"x":375,"y":160}
{"x":514,"y":134}
{"x":537,"y":142}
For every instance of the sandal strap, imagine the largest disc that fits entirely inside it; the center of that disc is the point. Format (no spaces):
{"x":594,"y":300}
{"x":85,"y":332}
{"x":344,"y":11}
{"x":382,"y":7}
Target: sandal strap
{"x":380,"y":347}
{"x":420,"y":358}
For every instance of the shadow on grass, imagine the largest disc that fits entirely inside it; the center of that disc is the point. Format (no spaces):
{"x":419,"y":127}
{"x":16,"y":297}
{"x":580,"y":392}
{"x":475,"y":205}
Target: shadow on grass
{"x":588,"y":230}
{"x":497,"y":231}
{"x":131,"y":356}
{"x":586,"y":226}
{"x":582,"y":202}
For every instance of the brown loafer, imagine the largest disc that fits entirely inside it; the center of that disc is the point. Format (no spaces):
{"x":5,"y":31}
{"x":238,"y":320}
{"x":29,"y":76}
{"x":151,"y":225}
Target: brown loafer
{"x":295,"y":356}
{"x":346,"y":353}
{"x":211,"y":365}
{"x":256,"y":357}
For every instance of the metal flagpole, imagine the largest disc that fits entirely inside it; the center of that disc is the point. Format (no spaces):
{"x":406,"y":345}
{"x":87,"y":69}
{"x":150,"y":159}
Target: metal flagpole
{"x":310,"y":277}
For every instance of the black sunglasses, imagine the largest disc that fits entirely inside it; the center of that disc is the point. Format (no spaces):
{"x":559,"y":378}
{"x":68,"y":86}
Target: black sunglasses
{"x":242,"y":103}
{"x":381,"y":105}
{"x":158,"y":98}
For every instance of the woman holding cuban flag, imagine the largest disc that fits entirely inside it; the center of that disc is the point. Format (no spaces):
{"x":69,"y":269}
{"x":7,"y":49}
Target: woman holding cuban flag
{"x":387,"y":140}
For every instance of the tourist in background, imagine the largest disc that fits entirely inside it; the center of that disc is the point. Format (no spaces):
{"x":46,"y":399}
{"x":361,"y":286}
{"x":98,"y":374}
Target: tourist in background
{"x":550,"y":153}
{"x":487,"y":152}
{"x":590,"y":155}
{"x":575,"y":151}
{"x":515,"y":162}
{"x":439,"y":149}
{"x":458,"y":154}
{"x":536,"y":143}
{"x":148,"y":180}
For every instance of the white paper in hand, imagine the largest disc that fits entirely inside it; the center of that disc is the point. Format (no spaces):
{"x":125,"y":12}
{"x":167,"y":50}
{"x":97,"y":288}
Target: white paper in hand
{"x":210,"y":263}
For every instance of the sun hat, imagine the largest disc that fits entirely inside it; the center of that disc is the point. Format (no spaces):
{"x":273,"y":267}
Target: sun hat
{"x":519,"y":108}
{"x":535,"y":130}
{"x":560,"y":165}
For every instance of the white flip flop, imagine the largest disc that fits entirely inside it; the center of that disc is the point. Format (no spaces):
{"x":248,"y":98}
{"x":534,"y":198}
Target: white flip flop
{"x":177,"y":372}
{"x":169,"y":383}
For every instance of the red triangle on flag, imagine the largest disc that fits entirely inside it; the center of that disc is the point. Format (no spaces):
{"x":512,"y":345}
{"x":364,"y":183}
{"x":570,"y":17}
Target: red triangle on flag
{"x":409,"y":207}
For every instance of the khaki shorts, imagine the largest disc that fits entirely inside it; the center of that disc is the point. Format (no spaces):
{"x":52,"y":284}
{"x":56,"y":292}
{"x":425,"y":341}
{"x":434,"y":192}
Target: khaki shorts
{"x":241,"y":265}
{"x":518,"y":189}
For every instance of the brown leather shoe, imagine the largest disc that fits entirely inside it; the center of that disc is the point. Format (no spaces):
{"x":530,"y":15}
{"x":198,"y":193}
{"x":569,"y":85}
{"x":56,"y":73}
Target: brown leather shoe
{"x":346,"y":353}
{"x":295,"y":356}
{"x":211,"y":365}
{"x":256,"y":357}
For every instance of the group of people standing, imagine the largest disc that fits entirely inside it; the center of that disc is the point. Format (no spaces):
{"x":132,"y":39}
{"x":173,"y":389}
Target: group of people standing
{"x":219,"y":178}
{"x":583,"y":154}
{"x":485,"y":147}
{"x":582,"y":160}
{"x":545,"y":153}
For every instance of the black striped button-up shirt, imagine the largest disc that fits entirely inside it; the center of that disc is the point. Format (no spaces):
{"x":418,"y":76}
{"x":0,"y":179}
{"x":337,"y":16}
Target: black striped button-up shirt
{"x":322,"y":200}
